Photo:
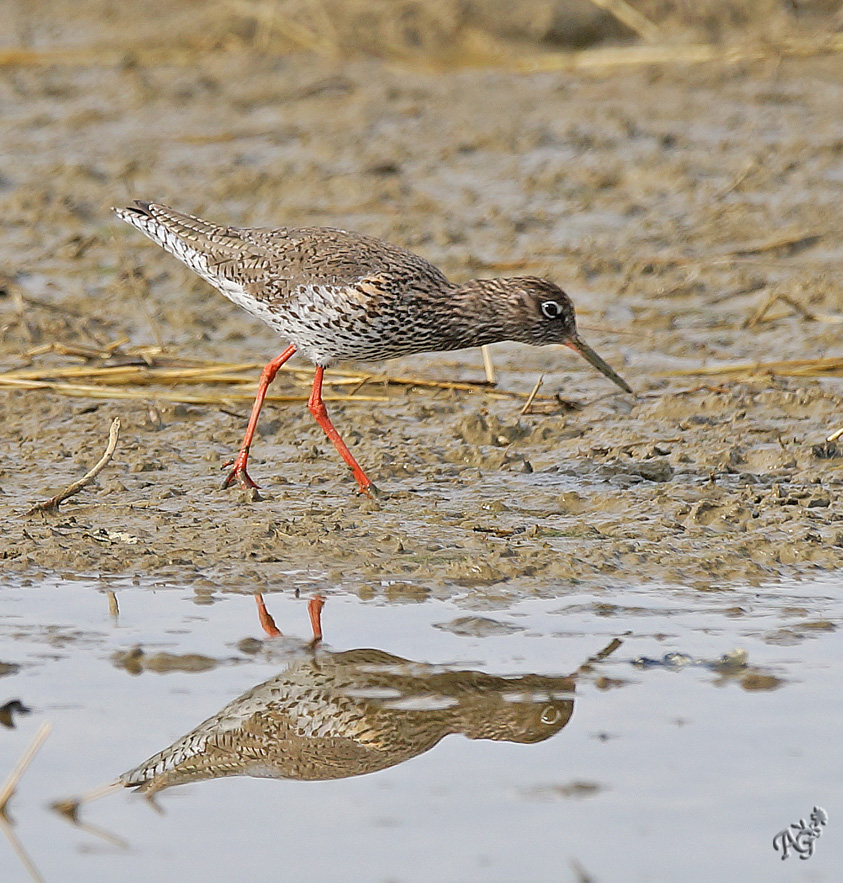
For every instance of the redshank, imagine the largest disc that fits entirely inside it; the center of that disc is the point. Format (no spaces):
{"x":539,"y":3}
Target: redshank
{"x":346,"y":714}
{"x":331,"y":715}
{"x":340,"y":295}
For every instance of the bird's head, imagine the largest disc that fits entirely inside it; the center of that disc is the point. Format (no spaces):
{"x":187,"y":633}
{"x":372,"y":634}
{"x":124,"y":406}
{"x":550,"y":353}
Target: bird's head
{"x":546,"y":315}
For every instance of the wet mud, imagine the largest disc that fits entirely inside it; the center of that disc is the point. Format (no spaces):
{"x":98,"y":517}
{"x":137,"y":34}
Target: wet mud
{"x":692,"y":212}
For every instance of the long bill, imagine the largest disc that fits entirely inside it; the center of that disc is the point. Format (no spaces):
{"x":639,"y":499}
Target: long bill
{"x":578,"y":345}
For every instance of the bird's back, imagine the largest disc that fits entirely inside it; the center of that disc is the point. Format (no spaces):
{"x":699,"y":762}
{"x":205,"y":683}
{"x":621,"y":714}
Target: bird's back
{"x":334,"y":293}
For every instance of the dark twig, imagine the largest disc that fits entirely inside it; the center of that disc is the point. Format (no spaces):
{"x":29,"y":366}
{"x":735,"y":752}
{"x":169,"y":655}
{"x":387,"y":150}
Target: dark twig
{"x":52,"y":504}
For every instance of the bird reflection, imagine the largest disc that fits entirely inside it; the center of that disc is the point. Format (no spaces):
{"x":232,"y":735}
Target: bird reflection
{"x":331,"y":715}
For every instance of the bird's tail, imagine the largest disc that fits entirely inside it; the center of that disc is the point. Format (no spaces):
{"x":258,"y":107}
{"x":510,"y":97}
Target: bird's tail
{"x":182,"y":235}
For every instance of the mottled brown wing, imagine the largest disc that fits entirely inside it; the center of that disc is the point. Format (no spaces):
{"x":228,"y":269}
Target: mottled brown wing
{"x":329,"y":256}
{"x":280,"y":258}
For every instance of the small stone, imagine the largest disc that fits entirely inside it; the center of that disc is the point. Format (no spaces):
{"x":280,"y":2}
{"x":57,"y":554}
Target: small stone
{"x":657,"y":469}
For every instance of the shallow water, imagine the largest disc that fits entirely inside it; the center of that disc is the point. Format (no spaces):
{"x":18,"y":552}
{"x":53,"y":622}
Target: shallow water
{"x":699,"y":518}
{"x":664,"y":772}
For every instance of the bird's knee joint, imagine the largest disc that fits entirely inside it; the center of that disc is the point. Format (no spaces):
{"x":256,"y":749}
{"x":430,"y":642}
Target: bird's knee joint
{"x":318,"y":409}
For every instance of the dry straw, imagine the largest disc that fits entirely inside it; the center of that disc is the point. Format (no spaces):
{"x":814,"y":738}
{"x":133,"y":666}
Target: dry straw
{"x":825,"y":367}
{"x":440,"y":33}
{"x":163,"y":379}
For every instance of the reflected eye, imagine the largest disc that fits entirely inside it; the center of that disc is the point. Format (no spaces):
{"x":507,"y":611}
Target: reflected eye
{"x":551,"y":309}
{"x":550,"y":715}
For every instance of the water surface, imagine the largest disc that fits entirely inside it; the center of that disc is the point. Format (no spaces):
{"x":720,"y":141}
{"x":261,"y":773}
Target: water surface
{"x":667,"y":769}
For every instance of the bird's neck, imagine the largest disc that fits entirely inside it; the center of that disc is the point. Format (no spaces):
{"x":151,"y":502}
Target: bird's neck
{"x":486,"y":311}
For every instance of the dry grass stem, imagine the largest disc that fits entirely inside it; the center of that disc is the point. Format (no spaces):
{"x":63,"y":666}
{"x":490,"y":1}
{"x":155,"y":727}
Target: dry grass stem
{"x":69,"y":806}
{"x":113,"y":606}
{"x":826,"y":367}
{"x":529,"y":403}
{"x":761,"y":313}
{"x":488,"y":366}
{"x":133,"y":381}
{"x":112,"y":393}
{"x":97,"y":831}
{"x":19,"y":768}
{"x":137,"y":374}
{"x":791,"y":242}
{"x":631,"y":17}
{"x":693,"y":53}
{"x":52,"y":504}
{"x":360,"y":384}
{"x":605,"y":653}
{"x":750,"y":166}
{"x":482,"y":49}
{"x":603,"y":329}
{"x":19,"y":851}
{"x":84,"y":352}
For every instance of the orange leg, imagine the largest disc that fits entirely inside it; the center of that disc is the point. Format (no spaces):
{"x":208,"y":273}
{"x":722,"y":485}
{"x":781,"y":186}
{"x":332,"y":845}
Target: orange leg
{"x":239,"y":473}
{"x":265,"y":617}
{"x":314,"y":608}
{"x":320,"y":412}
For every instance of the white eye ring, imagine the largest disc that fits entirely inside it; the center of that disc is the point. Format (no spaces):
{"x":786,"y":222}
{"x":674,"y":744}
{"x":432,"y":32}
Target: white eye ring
{"x":551,"y":309}
{"x":550,"y":715}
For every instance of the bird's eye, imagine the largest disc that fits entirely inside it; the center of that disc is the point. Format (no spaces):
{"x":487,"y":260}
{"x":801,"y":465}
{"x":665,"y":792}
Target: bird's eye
{"x":551,"y":309}
{"x":550,"y":715}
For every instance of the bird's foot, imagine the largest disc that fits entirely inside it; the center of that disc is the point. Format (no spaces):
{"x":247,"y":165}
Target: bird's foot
{"x":369,"y":491}
{"x":239,"y":474}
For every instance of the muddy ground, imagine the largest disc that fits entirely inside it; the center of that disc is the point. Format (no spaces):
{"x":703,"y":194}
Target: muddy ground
{"x":672,"y":201}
